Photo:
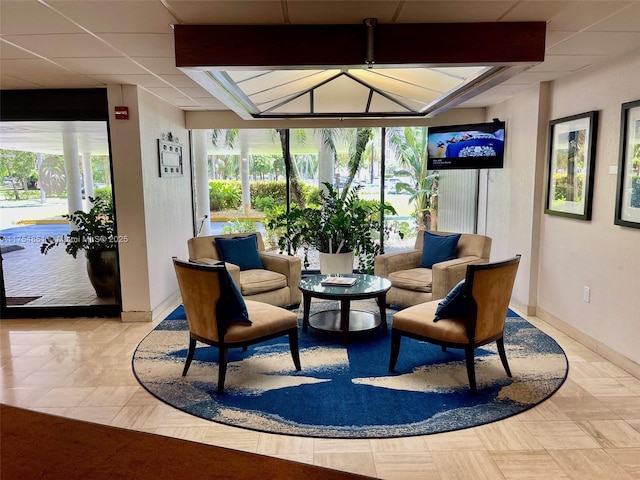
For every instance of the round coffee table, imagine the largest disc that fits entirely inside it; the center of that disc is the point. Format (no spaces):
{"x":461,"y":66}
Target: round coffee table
{"x":345,"y":320}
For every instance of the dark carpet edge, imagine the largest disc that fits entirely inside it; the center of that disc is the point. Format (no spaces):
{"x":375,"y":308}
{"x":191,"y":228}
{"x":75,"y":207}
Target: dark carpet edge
{"x":38,"y":445}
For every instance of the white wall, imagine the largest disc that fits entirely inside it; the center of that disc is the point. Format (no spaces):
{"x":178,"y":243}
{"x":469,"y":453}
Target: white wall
{"x":512,"y":218}
{"x":154,"y":213}
{"x":570,"y":253}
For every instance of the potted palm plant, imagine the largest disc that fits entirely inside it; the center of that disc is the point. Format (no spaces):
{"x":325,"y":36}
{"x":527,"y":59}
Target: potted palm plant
{"x":94,"y":233}
{"x":334,"y":226}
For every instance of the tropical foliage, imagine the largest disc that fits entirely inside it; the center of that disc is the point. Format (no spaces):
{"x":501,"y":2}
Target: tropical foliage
{"x":94,"y":230}
{"x":18,"y":167}
{"x":335,"y":225}
{"x":410,"y":145}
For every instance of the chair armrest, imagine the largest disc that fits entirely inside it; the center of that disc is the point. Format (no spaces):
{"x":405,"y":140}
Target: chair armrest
{"x":447,"y":274}
{"x":233,"y":269}
{"x":387,"y":263}
{"x":287,"y":265}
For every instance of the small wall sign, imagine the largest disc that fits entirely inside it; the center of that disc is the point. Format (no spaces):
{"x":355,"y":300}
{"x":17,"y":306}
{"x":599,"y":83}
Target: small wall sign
{"x":122,"y":113}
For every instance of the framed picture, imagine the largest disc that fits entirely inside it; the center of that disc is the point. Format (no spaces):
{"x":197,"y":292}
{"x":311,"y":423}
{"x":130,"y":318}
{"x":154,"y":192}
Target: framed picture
{"x":169,"y":158}
{"x":628,"y":192}
{"x":572,"y":155}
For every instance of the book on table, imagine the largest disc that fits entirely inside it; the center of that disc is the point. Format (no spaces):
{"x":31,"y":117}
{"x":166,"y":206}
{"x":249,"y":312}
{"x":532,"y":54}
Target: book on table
{"x":339,"y":281}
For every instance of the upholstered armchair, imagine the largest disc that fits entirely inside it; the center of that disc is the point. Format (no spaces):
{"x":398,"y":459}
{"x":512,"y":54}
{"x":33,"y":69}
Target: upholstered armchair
{"x":262,"y":276}
{"x":218,"y":315}
{"x":471,"y":315}
{"x":412,"y":282}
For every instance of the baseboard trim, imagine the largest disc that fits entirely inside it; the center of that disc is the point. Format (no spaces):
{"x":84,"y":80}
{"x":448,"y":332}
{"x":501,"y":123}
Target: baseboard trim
{"x":526,"y":309}
{"x":614,"y":357}
{"x":167,"y":306}
{"x":135,"y":317}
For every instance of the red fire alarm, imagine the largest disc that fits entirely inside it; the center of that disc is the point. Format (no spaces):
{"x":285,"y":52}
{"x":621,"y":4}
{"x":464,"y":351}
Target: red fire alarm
{"x":122,"y":113}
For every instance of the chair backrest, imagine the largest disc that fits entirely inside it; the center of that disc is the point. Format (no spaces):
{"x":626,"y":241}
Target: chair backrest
{"x":490,"y":286}
{"x":201,"y":286}
{"x":205,"y":247}
{"x":470,"y":244}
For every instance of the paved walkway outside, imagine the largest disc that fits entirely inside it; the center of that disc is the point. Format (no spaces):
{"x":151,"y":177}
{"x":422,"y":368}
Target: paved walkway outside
{"x":57,"y":279}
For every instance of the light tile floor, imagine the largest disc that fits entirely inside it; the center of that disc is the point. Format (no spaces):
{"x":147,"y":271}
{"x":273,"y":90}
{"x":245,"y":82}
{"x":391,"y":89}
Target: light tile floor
{"x":590,"y":429}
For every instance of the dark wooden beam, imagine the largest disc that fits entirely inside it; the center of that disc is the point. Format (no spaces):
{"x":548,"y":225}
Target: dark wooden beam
{"x":420,"y":45}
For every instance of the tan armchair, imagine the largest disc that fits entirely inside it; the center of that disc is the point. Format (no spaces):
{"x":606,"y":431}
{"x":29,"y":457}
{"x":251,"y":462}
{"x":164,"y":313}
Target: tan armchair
{"x":276,"y":284}
{"x":412,"y":284}
{"x":207,"y":295}
{"x":484,"y":299}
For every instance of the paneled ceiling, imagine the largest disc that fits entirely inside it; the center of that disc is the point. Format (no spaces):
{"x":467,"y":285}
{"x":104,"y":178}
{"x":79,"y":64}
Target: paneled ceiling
{"x":80,"y":43}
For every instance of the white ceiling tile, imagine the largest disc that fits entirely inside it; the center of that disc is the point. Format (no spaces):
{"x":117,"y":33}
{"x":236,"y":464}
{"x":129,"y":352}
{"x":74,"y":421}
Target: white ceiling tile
{"x":122,"y":16}
{"x":160,"y":66}
{"x":554,"y":38}
{"x":32,"y":68}
{"x":462,"y":11}
{"x":179,"y":80}
{"x":212,"y":103}
{"x":228,"y":12}
{"x":71,"y":81}
{"x":534,"y":11}
{"x":579,"y":15}
{"x":195,"y":92}
{"x":8,"y":82}
{"x":9,"y":51}
{"x":166,"y":92}
{"x":142,"y":80}
{"x":343,"y":12}
{"x":18,"y":16}
{"x":597,"y":43}
{"x":626,"y":20}
{"x":565,"y":63}
{"x":484,"y":99}
{"x":142,"y":44}
{"x":63,"y":45}
{"x":91,"y":66}
{"x":529,"y":78}
{"x":183,"y":102}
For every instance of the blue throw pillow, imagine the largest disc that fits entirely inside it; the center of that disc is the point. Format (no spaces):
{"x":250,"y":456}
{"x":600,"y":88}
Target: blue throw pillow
{"x":241,"y":251}
{"x":438,"y":248}
{"x":234,"y":308}
{"x":454,"y":305}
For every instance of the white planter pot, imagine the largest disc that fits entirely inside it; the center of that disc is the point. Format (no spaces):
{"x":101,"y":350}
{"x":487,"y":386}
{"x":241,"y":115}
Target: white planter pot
{"x":336,"y":263}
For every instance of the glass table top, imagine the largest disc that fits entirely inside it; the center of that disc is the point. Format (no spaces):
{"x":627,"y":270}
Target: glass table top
{"x":365,"y":284}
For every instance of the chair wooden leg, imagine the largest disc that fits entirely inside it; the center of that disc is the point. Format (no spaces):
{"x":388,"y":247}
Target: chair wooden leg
{"x":471,"y":371}
{"x":503,"y":356}
{"x":222,"y":369}
{"x":293,"y":346}
{"x":190,"y":352}
{"x":395,"y":348}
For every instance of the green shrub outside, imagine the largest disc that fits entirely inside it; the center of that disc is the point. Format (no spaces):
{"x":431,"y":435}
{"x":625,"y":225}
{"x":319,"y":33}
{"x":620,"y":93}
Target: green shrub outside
{"x":227,"y":194}
{"x":224,"y":195}
{"x":24,"y":195}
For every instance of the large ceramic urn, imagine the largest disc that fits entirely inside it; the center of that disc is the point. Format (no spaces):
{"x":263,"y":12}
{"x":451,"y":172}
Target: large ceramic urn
{"x":102,"y":267}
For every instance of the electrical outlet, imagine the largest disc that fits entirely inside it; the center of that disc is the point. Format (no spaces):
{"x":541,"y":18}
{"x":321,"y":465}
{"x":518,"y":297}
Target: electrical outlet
{"x":586,"y":294}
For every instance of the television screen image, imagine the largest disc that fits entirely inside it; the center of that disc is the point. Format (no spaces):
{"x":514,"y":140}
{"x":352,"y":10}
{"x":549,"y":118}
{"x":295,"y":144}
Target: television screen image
{"x":479,"y":145}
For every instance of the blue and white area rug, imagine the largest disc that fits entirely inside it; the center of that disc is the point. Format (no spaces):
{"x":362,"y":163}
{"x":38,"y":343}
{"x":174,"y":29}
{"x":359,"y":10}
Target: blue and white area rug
{"x":347,"y":391}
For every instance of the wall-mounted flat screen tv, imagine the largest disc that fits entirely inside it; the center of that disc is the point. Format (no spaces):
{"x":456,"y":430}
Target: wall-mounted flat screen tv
{"x":477,"y":145}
